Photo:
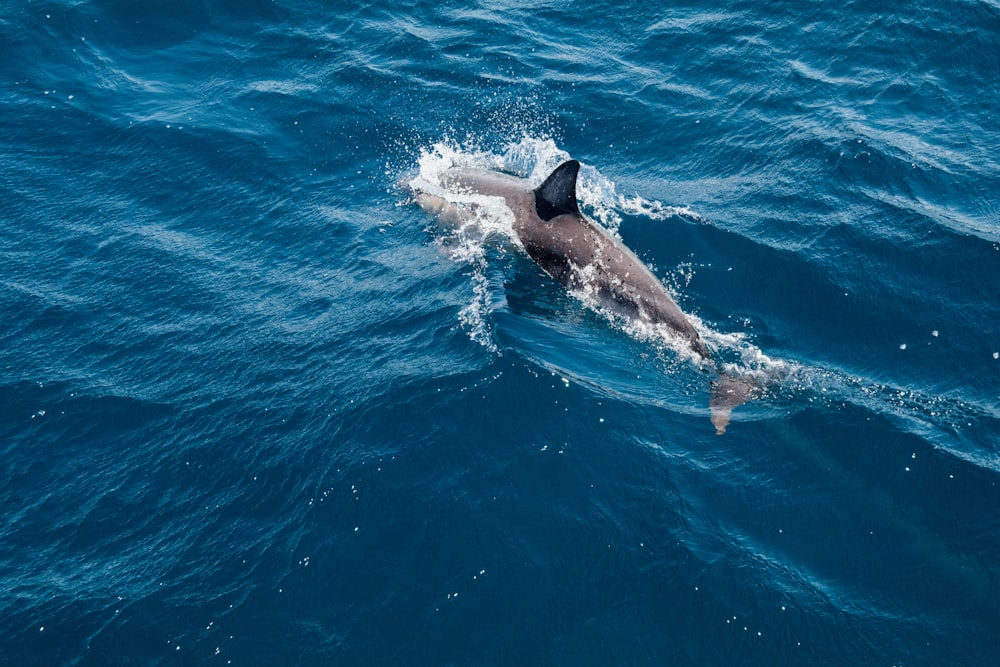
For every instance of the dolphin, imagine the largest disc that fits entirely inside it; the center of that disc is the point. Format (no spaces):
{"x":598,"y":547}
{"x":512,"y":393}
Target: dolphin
{"x":583,"y":255}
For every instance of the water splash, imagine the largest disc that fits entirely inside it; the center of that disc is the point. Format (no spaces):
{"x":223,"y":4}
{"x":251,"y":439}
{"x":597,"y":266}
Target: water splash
{"x":474,"y":223}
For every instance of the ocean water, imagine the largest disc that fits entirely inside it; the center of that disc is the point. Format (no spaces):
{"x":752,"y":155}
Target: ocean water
{"x":257,"y":408}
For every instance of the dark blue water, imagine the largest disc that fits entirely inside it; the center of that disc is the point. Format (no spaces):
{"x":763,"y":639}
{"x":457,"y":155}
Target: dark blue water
{"x":256,"y":408}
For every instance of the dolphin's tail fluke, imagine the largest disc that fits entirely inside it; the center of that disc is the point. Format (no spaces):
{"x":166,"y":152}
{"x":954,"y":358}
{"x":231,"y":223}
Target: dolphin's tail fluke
{"x":729,"y":391}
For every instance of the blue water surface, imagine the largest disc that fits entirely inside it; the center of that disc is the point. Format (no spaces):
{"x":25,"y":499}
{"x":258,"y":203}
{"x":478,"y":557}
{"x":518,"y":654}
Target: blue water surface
{"x":256,"y":408}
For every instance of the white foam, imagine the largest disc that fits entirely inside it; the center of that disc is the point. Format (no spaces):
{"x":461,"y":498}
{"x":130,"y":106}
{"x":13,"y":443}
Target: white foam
{"x":474,"y":316}
{"x":655,"y":210}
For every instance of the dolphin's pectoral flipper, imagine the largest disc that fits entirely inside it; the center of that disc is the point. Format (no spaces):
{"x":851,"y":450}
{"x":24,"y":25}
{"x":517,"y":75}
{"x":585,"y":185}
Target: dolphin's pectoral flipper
{"x":557,"y":195}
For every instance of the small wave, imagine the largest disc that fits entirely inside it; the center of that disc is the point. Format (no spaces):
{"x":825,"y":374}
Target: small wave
{"x":950,"y":423}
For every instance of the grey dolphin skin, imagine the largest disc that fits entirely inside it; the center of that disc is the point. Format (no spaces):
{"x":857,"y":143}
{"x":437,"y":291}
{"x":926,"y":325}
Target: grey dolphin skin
{"x":584,"y":256}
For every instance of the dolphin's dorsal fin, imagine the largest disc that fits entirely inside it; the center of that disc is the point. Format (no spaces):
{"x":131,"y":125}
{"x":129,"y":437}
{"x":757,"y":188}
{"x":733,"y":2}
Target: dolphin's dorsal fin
{"x":557,"y":195}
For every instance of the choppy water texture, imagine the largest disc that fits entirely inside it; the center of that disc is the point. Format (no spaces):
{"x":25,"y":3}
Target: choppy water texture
{"x":257,"y":408}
